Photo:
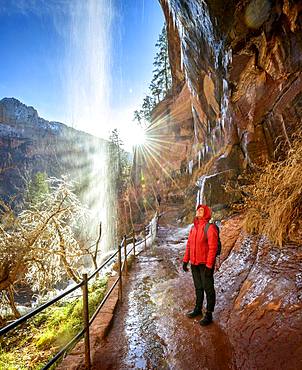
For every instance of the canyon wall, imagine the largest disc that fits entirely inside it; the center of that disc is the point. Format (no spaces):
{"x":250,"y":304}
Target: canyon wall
{"x":239,"y":64}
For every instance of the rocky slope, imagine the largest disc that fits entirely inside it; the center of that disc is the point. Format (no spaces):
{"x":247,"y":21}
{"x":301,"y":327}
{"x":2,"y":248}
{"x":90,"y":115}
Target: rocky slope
{"x":31,"y":144}
{"x":242,"y":62}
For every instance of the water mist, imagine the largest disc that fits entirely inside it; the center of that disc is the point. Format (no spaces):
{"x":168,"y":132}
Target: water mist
{"x":87,"y":83}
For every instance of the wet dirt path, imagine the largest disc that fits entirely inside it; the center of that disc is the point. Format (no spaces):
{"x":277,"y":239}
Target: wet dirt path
{"x":150,"y":329}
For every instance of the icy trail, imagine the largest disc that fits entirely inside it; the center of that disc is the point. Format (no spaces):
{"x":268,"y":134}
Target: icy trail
{"x":150,"y":329}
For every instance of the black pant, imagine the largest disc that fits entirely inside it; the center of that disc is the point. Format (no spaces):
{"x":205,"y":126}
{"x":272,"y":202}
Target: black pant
{"x":204,"y":282}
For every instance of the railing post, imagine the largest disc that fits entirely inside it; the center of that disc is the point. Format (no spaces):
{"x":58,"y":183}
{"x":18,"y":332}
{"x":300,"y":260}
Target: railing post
{"x":125,"y":254}
{"x":120,"y":290}
{"x":86,"y":322}
{"x":145,"y":237}
{"x":133,"y":241}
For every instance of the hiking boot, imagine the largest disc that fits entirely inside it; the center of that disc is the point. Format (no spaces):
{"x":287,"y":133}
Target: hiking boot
{"x":208,"y":318}
{"x":194,"y":313}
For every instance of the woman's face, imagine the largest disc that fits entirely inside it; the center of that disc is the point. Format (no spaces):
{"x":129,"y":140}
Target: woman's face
{"x":199,"y":212}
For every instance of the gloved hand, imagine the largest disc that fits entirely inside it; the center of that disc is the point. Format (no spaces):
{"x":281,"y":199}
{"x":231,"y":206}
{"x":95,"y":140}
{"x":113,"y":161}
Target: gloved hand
{"x":185,"y":266}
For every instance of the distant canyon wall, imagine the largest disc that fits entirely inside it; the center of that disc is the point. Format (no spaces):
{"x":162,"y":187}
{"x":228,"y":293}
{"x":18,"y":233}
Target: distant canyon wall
{"x":31,"y":144}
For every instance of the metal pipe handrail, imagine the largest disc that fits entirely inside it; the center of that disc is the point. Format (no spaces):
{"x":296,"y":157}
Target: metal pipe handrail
{"x":138,"y":243}
{"x":143,"y":240}
{"x":140,"y":230}
{"x":34,"y":312}
{"x":73,"y":341}
{"x":85,"y":280}
{"x":39,"y":309}
{"x":130,"y":251}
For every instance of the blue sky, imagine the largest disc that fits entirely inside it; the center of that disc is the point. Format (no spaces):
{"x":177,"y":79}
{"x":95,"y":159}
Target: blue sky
{"x":33,"y":53}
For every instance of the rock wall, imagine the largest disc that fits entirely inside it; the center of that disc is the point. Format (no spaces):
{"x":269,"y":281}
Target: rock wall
{"x":242,"y":62}
{"x":259,"y":291}
{"x":170,"y":133}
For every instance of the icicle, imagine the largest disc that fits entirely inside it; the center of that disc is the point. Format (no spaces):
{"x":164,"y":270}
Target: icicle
{"x":200,"y":195}
{"x":190,"y":167}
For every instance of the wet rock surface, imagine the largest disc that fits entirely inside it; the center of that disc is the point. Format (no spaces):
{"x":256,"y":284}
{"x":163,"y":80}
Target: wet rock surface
{"x":257,"y":320}
{"x":214,"y":192}
{"x":260,"y":303}
{"x":151,"y":330}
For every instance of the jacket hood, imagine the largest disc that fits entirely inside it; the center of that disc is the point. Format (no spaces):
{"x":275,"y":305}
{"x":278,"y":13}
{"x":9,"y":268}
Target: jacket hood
{"x":206,"y":216}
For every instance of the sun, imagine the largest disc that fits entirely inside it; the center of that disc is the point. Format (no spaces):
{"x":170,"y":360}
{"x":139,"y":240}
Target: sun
{"x":130,"y":132}
{"x":135,"y":136}
{"x":139,"y":135}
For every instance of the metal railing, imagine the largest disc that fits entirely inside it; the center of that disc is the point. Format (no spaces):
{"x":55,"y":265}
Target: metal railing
{"x":122,"y":266}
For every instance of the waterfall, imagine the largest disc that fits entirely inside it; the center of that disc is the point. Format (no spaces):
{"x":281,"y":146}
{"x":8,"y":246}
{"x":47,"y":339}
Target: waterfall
{"x":88,"y":65}
{"x":87,"y":84}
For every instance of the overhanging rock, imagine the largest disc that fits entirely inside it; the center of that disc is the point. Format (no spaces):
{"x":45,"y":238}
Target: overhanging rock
{"x":212,"y":190}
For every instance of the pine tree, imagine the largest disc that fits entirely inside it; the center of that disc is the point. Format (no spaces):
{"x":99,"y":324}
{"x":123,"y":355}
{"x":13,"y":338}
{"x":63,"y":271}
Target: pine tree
{"x":119,"y":173}
{"x":37,"y":187}
{"x":156,"y":91}
{"x":147,"y":107}
{"x":161,"y":82}
{"x":119,"y":162}
{"x":138,"y":116}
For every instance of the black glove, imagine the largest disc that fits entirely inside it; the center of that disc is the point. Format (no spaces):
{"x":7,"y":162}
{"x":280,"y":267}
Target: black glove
{"x":185,"y":266}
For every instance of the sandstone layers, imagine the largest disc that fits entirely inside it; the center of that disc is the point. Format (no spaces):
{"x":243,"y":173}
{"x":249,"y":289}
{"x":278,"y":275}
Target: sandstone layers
{"x":240,"y":63}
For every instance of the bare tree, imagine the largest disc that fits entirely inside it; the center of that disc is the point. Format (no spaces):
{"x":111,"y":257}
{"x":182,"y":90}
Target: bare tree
{"x":38,"y":246}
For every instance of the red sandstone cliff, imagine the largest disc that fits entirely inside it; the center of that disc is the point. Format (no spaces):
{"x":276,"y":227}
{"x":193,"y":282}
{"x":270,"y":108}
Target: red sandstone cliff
{"x":242,"y":63}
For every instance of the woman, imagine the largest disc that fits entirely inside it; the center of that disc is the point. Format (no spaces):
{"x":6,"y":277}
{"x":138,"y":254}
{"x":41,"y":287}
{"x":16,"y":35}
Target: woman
{"x":201,"y":252}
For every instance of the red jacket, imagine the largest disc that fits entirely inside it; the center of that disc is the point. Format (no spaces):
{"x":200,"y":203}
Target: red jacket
{"x":202,"y":250}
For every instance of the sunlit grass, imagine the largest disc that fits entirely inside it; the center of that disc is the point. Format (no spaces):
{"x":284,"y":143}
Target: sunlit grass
{"x":31,"y":345}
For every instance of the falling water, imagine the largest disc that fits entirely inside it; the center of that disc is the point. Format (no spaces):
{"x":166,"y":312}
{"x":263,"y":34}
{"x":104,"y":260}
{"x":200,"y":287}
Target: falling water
{"x":224,"y":106}
{"x":87,"y":82}
{"x":200,"y":194}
